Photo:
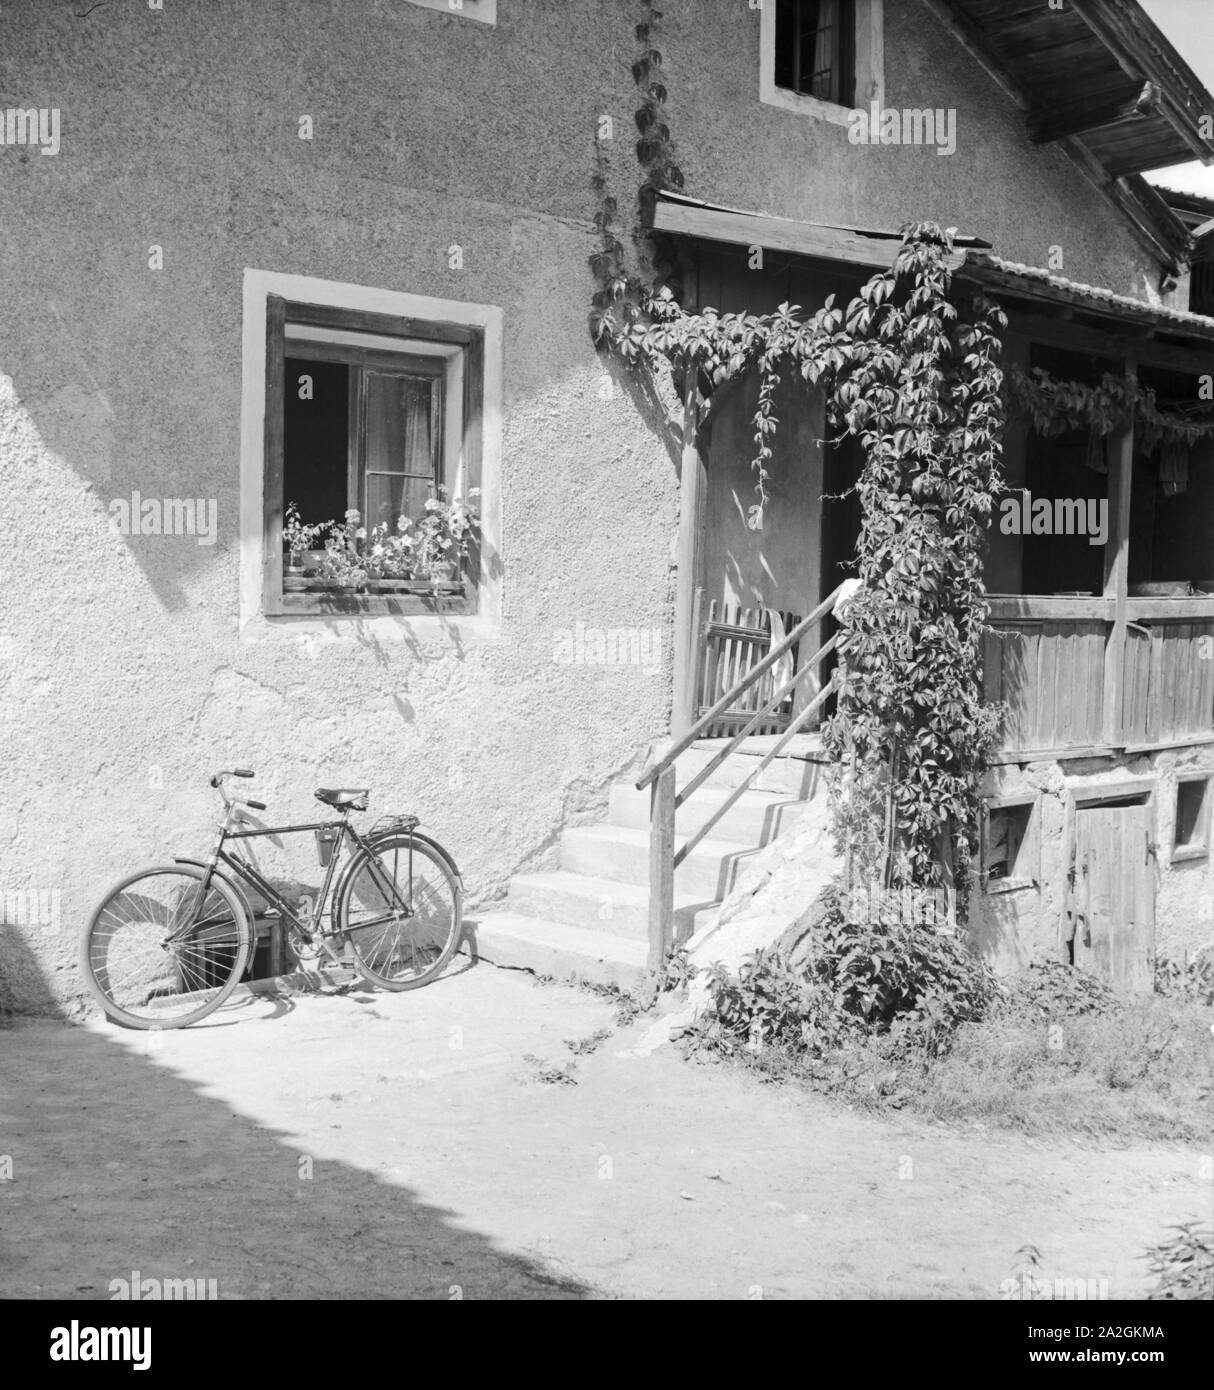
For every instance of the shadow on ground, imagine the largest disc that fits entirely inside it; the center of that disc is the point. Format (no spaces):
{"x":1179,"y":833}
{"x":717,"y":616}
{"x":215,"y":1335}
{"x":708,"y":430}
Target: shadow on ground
{"x":197,"y":1191}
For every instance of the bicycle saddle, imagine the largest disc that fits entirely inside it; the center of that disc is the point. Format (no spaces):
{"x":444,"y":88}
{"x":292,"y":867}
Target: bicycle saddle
{"x":355,"y":800}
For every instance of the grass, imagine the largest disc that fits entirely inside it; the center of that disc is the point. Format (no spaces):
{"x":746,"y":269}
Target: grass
{"x":1140,"y":1069}
{"x":1055,"y":1053}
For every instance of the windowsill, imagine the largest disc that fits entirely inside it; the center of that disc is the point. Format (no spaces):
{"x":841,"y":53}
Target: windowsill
{"x":1186,"y":852}
{"x":994,"y":886}
{"x":322,"y":605}
{"x":788,"y":100}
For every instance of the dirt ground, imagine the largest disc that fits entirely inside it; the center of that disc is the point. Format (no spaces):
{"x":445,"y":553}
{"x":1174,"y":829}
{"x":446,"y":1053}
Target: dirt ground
{"x":442,"y":1166}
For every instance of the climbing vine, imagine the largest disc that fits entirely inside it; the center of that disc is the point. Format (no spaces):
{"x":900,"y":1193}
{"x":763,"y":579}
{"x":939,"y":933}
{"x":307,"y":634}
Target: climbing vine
{"x":1055,"y":406}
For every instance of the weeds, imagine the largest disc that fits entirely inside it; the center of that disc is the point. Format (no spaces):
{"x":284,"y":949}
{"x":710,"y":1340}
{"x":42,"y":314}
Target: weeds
{"x":547,"y":1074}
{"x":1193,"y":980}
{"x":885,"y":1018}
{"x":1184,"y":1265}
{"x":582,"y":1047}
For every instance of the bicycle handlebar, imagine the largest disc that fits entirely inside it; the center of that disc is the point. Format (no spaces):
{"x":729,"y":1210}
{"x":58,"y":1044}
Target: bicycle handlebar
{"x":220,"y":777}
{"x":217,"y":780}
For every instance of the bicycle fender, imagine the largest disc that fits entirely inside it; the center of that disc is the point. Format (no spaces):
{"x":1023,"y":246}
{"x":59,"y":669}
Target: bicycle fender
{"x":439,"y":850}
{"x":238,"y":888}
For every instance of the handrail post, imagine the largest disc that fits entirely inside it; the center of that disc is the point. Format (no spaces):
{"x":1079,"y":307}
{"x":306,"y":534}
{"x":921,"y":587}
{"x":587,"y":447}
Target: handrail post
{"x":661,"y":869}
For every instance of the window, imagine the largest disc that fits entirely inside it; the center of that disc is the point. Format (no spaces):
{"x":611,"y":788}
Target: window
{"x":380,"y":402}
{"x":1191,"y":827}
{"x":821,"y":58}
{"x":366,"y":413}
{"x":815,"y":49}
{"x":1011,"y":845}
{"x":362,"y":429}
{"x":483,"y":10}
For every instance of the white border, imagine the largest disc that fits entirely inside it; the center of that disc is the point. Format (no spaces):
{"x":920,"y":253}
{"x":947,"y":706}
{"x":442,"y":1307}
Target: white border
{"x":870,"y":66}
{"x":254,"y":625}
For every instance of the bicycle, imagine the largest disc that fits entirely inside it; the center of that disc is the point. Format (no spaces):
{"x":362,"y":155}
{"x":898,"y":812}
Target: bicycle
{"x":168,"y":944}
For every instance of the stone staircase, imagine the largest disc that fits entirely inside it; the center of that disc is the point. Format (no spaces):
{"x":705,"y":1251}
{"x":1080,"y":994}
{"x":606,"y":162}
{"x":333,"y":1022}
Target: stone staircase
{"x":589,"y":917}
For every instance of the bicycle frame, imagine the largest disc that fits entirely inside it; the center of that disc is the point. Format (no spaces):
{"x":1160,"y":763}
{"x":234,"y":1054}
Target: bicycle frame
{"x":247,"y":873}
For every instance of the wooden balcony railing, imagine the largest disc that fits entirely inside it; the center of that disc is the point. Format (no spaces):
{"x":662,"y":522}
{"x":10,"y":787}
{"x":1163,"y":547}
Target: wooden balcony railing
{"x":1047,"y":659}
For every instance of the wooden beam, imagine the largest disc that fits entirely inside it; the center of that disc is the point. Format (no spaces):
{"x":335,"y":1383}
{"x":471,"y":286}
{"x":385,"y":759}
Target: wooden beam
{"x":693,"y":485}
{"x":661,"y":869}
{"x":1113,"y":343}
{"x":272,"y":478}
{"x":1116,"y":567}
{"x":1061,"y":119}
{"x":1010,"y":607}
{"x":783,"y":234}
{"x":1126,"y":33}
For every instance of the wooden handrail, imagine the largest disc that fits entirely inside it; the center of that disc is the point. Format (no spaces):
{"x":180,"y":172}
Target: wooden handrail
{"x":665,"y":798}
{"x":744,"y":785}
{"x":731,"y":696}
{"x":715,"y":762}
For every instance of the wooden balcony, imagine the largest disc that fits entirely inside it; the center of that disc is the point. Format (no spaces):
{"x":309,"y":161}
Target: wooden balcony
{"x":1070,"y":689}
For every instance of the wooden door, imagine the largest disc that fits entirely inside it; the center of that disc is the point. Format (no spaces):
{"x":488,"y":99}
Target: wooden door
{"x":1111,"y":895}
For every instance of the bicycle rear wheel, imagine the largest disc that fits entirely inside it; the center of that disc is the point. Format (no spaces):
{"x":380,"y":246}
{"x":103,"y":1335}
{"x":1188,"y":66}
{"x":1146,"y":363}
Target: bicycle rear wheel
{"x":401,"y":910}
{"x":162,"y":952}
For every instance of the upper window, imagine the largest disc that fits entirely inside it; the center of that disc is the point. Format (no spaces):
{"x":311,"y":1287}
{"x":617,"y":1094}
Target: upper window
{"x":816,"y":48}
{"x":372,"y":462}
{"x":483,"y":10}
{"x":822,"y":57}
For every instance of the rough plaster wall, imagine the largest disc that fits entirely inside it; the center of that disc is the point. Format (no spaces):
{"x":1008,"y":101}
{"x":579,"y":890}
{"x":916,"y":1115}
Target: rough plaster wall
{"x":1022,"y":925}
{"x":122,"y":678}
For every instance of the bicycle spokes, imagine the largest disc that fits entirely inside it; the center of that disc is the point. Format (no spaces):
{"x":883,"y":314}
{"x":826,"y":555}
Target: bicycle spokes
{"x":400,"y":913}
{"x":161,"y":945}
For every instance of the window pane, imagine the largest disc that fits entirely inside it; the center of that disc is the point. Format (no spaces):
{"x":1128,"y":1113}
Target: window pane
{"x":388,"y":495}
{"x":399,"y":441}
{"x":315,"y":442}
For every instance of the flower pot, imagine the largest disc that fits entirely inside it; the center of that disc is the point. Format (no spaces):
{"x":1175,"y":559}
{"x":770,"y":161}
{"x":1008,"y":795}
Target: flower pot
{"x":293,"y":582}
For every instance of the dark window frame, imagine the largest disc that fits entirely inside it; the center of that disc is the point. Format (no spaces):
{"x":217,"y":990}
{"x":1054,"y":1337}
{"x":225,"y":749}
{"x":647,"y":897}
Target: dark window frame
{"x":797,"y":22}
{"x":1027,"y":859}
{"x":470,"y":342}
{"x":1198,"y":845}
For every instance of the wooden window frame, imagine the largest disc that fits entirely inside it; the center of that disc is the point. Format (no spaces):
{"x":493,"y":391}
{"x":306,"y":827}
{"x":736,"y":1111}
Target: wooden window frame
{"x":481,"y":11}
{"x":469,"y":343}
{"x":1030,"y":844}
{"x":364,"y":361}
{"x":1199,"y":846}
{"x":868,"y":51}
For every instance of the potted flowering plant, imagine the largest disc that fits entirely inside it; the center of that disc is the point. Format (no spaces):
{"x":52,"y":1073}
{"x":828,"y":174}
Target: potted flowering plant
{"x":299,"y":540}
{"x":389,"y":555}
{"x":443,"y":535}
{"x":344,"y":565}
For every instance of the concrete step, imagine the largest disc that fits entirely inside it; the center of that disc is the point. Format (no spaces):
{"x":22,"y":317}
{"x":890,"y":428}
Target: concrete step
{"x":755,"y":818}
{"x":798,"y":773}
{"x":598,"y":904}
{"x":558,"y":949}
{"x":621,"y":854}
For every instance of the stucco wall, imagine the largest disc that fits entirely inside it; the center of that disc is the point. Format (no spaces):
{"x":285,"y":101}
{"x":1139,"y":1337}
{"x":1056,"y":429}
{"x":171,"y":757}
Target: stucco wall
{"x":124,"y":677}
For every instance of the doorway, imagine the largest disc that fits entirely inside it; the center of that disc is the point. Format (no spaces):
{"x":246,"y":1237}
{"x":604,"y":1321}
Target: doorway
{"x":1109,"y":913}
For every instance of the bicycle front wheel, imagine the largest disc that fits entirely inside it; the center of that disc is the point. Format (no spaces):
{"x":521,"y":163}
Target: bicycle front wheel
{"x":401,"y":910}
{"x":162,"y":951}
